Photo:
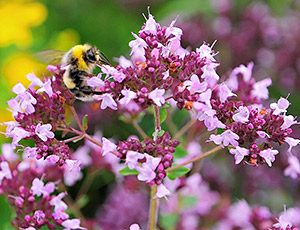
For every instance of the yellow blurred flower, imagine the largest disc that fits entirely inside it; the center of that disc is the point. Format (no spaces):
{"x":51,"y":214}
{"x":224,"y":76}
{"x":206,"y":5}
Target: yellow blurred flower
{"x":16,"y":17}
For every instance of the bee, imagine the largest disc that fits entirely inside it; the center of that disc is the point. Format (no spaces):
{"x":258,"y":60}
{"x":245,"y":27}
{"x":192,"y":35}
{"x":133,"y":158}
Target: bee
{"x":79,"y":61}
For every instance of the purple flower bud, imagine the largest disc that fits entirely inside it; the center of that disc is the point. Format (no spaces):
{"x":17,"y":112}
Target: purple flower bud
{"x":151,"y":69}
{"x":167,"y":164}
{"x":169,"y":157}
{"x":31,"y":199}
{"x":152,"y":183}
{"x":161,"y":175}
{"x":160,"y":167}
{"x":27,"y":218}
{"x":250,"y":126}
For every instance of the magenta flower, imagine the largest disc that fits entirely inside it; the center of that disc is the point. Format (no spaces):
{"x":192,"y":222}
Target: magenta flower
{"x":269,"y":155}
{"x":134,"y":227}
{"x":260,"y":89}
{"x":57,"y":202}
{"x":239,"y":154}
{"x":194,"y":85}
{"x":132,"y":158}
{"x":225,"y":138}
{"x":5,"y":171}
{"x":46,"y":87}
{"x":44,"y":131}
{"x":281,"y":106}
{"x":18,"y":134}
{"x":8,"y":152}
{"x":292,"y":142}
{"x":245,"y":71}
{"x":293,"y":170}
{"x":150,"y":26}
{"x":107,"y":146}
{"x":225,"y":92}
{"x":242,"y":115}
{"x":71,"y":224}
{"x":147,"y":170}
{"x":118,"y":76}
{"x":288,"y":121}
{"x":128,"y":96}
{"x":95,"y":82}
{"x":15,"y":107}
{"x":107,"y":101}
{"x":72,"y":166}
{"x":38,"y":188}
{"x":60,"y":214}
{"x":137,"y":48}
{"x":157,"y":96}
{"x":35,"y":81}
{"x":234,"y":214}
{"x":283,"y":221}
{"x":162,"y":191}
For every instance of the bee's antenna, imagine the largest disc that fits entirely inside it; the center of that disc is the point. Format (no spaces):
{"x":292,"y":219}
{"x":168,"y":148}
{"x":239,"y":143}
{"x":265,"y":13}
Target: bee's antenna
{"x":104,"y":59}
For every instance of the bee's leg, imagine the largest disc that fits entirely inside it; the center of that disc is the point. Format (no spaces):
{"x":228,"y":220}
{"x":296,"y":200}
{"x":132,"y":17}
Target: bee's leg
{"x":84,"y":93}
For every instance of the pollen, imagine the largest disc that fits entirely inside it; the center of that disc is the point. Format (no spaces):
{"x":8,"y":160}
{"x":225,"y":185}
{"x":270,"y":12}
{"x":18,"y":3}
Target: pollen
{"x":188,"y":105}
{"x":263,"y":111}
{"x":172,"y":67}
{"x":142,"y":64}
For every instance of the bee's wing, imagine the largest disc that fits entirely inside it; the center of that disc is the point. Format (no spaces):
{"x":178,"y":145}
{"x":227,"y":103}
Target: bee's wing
{"x":52,"y":57}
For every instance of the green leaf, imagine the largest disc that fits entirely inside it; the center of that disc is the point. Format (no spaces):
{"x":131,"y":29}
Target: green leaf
{"x":6,"y":213}
{"x":163,"y":114}
{"x":167,"y":105}
{"x":220,"y":131}
{"x":78,"y":139}
{"x":85,"y":122}
{"x":180,"y":152}
{"x":159,"y":134}
{"x":83,"y":200}
{"x":169,"y":222}
{"x":188,"y":201}
{"x":126,"y":171}
{"x":177,"y":173}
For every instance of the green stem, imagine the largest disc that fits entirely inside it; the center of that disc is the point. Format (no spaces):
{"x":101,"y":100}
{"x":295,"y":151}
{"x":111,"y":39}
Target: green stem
{"x":184,"y":129}
{"x":153,"y":208}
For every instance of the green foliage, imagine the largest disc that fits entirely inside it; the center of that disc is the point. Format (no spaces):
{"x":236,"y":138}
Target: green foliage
{"x":5,"y":214}
{"x":163,"y":114}
{"x":177,"y":173}
{"x":169,"y":222}
{"x":85,"y":122}
{"x":180,"y":152}
{"x":126,"y":171}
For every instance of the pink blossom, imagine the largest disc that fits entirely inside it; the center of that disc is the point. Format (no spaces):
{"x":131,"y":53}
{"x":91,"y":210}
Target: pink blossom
{"x":35,"y":81}
{"x":46,"y":87}
{"x":107,"y":101}
{"x":157,"y":96}
{"x":260,"y":89}
{"x":171,"y":30}
{"x":132,"y":158}
{"x":53,"y":158}
{"x":5,"y":171}
{"x":82,"y":154}
{"x":138,"y":45}
{"x":95,"y":82}
{"x":281,"y":106}
{"x":59,"y":214}
{"x":283,"y":221}
{"x":107,"y":146}
{"x":44,"y":131}
{"x":15,"y":106}
{"x":10,"y":127}
{"x":234,"y":214}
{"x":288,"y":121}
{"x":242,"y":115}
{"x":162,"y":191}
{"x":225,"y":138}
{"x":18,"y":89}
{"x":246,"y":72}
{"x":18,"y":134}
{"x":292,"y":142}
{"x":206,"y":52}
{"x":8,"y":152}
{"x":73,"y":167}
{"x":124,"y":62}
{"x":38,"y":188}
{"x":269,"y":155}
{"x":51,"y":68}
{"x":194,"y":85}
{"x":57,"y":202}
{"x":134,"y":227}
{"x":209,"y":73}
{"x":150,"y":26}
{"x":147,"y":170}
{"x":293,"y":170}
{"x":71,"y":224}
{"x":128,"y":96}
{"x":239,"y":154}
{"x":117,"y":75}
{"x":224,"y":92}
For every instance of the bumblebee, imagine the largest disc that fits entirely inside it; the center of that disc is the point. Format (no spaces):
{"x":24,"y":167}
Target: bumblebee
{"x":79,"y":62}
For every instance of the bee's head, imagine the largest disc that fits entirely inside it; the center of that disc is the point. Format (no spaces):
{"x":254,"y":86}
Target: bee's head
{"x":93,"y":56}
